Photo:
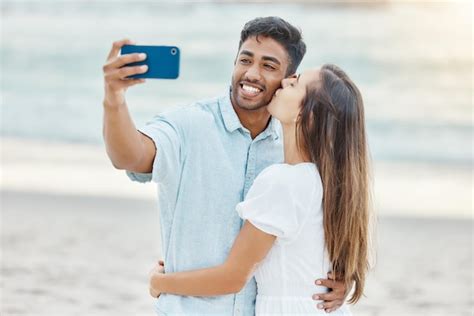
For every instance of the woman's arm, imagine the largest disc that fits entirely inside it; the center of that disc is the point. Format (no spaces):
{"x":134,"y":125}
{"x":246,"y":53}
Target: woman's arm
{"x":249,"y":249}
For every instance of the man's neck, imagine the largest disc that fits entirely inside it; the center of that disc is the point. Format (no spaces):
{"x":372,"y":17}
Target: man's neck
{"x":255,"y":121}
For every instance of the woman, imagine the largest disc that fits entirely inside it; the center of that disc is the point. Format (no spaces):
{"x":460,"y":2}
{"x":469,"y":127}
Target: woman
{"x":305,"y":217}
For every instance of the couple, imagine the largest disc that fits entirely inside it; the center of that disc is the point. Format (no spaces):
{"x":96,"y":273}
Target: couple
{"x":269,"y":181}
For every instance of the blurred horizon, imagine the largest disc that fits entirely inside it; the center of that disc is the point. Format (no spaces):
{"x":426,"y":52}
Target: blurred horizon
{"x":405,"y":75}
{"x":412,"y":62}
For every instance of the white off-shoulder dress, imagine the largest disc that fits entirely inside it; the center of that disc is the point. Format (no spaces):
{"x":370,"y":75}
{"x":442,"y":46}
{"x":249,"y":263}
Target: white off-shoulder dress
{"x":286,"y":201}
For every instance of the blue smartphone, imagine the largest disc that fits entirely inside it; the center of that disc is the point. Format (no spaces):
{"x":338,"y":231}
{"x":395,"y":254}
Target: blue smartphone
{"x":162,"y":61}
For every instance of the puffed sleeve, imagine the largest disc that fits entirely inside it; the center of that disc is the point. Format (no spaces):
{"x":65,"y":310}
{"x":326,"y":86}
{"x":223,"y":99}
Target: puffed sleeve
{"x":275,"y":205}
{"x":166,"y":131}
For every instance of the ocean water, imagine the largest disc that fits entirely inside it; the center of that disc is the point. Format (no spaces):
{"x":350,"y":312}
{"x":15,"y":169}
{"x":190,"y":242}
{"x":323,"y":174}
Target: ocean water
{"x":412,"y":62}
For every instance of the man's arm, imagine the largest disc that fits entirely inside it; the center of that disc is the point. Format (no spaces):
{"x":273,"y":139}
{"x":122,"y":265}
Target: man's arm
{"x":250,"y":248}
{"x":126,"y":147}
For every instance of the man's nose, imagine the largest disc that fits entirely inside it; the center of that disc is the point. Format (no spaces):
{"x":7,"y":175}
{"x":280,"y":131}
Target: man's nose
{"x":253,"y":73}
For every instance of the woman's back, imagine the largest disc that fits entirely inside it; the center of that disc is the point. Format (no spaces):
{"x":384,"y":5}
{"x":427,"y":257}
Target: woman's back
{"x":286,"y":201}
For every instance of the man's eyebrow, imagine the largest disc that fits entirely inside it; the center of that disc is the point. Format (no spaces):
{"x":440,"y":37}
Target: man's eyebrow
{"x":246,"y":52}
{"x":272,"y":59}
{"x":268,"y":58}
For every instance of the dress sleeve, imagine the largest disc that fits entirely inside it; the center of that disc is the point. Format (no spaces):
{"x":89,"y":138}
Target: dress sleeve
{"x":166,"y":131}
{"x":274,"y":206}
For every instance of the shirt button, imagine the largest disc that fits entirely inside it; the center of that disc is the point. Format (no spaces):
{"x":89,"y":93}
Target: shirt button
{"x":237,"y":312}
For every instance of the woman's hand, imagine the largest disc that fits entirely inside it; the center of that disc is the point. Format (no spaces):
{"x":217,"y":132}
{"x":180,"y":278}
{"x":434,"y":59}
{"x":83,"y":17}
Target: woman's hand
{"x":155,"y":274}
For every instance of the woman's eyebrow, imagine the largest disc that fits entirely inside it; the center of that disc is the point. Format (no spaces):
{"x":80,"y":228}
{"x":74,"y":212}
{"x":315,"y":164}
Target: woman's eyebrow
{"x":298,"y":78}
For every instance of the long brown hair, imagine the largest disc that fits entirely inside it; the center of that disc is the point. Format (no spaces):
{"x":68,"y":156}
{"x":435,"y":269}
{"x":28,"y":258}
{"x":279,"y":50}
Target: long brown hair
{"x":333,"y":134}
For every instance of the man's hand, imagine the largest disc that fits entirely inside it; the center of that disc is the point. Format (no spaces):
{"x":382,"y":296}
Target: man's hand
{"x":154,"y":275}
{"x":336,"y":295}
{"x":115,"y":74}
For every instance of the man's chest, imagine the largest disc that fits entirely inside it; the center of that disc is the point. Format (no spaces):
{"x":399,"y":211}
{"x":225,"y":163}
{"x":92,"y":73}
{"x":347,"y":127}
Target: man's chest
{"x":230,"y":162}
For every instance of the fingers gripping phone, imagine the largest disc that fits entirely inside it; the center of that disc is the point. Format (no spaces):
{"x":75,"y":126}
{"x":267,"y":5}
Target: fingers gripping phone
{"x":162,"y":61}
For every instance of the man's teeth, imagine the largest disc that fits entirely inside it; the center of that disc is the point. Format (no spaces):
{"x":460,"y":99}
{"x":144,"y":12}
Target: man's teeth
{"x":250,"y":89}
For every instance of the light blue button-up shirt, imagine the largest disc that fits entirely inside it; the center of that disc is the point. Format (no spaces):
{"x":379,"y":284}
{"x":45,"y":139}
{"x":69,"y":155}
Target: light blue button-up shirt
{"x":205,"y":163}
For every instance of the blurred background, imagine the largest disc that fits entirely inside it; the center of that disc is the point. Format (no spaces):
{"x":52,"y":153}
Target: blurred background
{"x":78,"y":238}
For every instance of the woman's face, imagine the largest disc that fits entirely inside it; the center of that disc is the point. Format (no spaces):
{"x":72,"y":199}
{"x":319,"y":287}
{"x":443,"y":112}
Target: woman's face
{"x":286,"y":103}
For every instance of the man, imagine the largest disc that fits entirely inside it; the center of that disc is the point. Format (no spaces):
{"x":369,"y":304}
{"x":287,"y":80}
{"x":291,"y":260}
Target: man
{"x":204,"y":158}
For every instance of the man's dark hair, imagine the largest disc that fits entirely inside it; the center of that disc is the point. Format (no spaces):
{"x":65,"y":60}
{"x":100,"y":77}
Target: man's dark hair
{"x":282,"y":32}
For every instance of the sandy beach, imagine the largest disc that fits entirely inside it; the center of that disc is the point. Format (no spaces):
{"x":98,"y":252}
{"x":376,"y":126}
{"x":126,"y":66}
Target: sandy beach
{"x":78,"y":238}
{"x":84,"y":255}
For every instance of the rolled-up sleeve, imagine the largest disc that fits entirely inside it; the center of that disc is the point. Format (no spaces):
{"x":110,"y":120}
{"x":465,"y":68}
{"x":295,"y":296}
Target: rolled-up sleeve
{"x":166,"y":131}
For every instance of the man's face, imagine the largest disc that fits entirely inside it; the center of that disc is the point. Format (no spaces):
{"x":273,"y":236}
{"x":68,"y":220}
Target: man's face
{"x":258,"y":71}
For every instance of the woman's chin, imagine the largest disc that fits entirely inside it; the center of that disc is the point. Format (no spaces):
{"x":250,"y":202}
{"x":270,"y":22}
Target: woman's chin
{"x":270,"y":108}
{"x":275,"y":115}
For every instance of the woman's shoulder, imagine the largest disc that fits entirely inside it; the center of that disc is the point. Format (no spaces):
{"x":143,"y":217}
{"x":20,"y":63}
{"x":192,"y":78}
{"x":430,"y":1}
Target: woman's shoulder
{"x":281,"y":199}
{"x":300,"y":177}
{"x":275,"y":173}
{"x":305,"y":170}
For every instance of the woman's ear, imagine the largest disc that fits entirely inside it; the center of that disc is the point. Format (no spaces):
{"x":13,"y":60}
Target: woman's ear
{"x":297,"y":118}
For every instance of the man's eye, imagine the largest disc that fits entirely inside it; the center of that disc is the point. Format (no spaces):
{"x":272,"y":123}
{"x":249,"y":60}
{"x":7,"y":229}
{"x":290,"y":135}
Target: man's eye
{"x":270,"y":67}
{"x":244,"y":61}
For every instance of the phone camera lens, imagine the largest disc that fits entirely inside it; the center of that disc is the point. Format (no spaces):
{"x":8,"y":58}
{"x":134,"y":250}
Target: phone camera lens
{"x":173,"y":51}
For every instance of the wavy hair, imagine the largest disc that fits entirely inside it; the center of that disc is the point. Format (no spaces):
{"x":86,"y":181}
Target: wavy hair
{"x":331,"y":130}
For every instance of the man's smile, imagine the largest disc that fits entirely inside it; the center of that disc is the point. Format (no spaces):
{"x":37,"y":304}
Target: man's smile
{"x":250,"y":90}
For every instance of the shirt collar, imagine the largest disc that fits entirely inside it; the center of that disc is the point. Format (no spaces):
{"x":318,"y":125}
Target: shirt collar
{"x":273,"y":129}
{"x":232,"y":122}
